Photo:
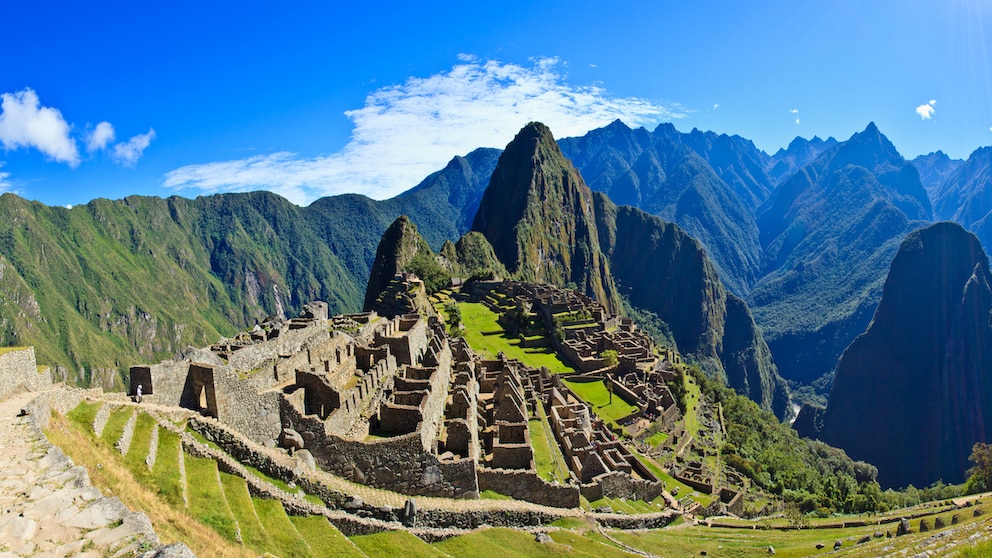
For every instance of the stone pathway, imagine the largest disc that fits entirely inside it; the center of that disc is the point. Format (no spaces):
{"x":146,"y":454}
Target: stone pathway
{"x":48,"y":507}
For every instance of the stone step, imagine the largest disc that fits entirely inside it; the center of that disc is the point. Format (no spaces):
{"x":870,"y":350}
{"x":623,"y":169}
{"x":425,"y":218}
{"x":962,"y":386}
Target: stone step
{"x":123,"y":443}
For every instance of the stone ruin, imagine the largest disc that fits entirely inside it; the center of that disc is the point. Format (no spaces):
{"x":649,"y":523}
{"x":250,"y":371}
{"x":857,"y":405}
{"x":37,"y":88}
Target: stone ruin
{"x":396,"y":404}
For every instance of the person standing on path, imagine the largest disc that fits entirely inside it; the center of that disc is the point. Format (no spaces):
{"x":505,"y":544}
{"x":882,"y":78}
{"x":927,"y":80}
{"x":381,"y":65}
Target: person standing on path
{"x":137,"y":394}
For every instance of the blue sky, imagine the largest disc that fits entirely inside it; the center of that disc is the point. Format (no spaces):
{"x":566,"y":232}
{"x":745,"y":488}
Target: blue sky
{"x":311,"y":99}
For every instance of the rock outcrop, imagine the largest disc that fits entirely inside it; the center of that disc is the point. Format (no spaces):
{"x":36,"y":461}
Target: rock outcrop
{"x":914,"y":392}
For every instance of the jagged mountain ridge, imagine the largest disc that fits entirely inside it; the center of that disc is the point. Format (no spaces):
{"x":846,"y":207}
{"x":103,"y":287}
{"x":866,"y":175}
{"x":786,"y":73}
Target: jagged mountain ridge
{"x":536,"y":195}
{"x":914,"y":392}
{"x":935,"y":168}
{"x":829,"y":233}
{"x":681,"y":178}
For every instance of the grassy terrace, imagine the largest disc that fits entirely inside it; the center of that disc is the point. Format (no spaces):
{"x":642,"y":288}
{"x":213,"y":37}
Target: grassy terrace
{"x":598,"y":397}
{"x":486,"y":336}
{"x":547,"y":455}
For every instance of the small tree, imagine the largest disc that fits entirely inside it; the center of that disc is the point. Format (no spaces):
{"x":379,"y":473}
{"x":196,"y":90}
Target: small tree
{"x":610,"y":358}
{"x":981,"y":456}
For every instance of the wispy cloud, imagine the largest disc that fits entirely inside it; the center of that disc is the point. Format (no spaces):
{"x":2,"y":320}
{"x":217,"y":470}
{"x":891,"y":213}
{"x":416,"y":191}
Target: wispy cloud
{"x":404,"y":132}
{"x":5,"y":184}
{"x":716,"y":106}
{"x":127,"y":153}
{"x":796,"y":112}
{"x":926,"y":111}
{"x":25,"y":123}
{"x":100,"y":137}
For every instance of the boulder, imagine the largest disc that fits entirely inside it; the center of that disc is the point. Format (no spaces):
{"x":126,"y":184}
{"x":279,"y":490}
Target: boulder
{"x":903,"y":528}
{"x":409,"y":517}
{"x":291,"y":440}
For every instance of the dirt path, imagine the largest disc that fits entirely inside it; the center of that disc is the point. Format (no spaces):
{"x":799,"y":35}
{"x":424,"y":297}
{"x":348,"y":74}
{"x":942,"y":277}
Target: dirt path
{"x":47,"y":505}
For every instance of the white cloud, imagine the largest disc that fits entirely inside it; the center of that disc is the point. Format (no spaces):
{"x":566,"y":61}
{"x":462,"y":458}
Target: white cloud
{"x":927,"y":110}
{"x":797,"y":121}
{"x":25,"y":123}
{"x":5,"y":184}
{"x":100,"y":137}
{"x":128,"y":153}
{"x":404,"y":132}
{"x":794,"y":111}
{"x":716,"y":106}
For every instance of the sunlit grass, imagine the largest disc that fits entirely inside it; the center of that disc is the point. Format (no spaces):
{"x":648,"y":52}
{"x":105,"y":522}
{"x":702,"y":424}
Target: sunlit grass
{"x":486,"y":336}
{"x":108,"y":473}
{"x":598,"y":398}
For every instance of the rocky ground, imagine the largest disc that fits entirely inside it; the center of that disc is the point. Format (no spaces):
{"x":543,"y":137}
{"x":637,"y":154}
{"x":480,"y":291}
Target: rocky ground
{"x":48,"y":508}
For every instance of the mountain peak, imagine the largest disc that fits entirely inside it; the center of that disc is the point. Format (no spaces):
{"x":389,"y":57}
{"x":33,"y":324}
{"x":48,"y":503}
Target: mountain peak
{"x":537,"y":214}
{"x":913,"y":393}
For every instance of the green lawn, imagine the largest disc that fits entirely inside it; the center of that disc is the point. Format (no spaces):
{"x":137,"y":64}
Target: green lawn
{"x":165,"y":472}
{"x":598,"y":398}
{"x":691,"y":406}
{"x":115,"y":425}
{"x":252,"y":531}
{"x":487,"y":337}
{"x":206,"y":501}
{"x":324,"y":539}
{"x":547,"y":456}
{"x":286,"y":541}
{"x":509,"y":543}
{"x":395,"y":543}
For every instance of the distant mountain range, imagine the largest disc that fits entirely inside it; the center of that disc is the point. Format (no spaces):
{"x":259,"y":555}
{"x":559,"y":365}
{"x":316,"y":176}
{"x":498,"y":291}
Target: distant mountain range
{"x":802,"y":239}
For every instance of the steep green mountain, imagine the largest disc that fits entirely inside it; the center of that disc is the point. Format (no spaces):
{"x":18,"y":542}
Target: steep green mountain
{"x":100,"y":286}
{"x":402,"y":249}
{"x":542,"y":219}
{"x":828,"y":235}
{"x":965,"y":197}
{"x":914,"y":392}
{"x":736,"y":161}
{"x":662,"y":269}
{"x":443,"y":206}
{"x":935,"y":168}
{"x":667,"y":173}
{"x":537,"y":214}
{"x":801,"y":152}
{"x":473,"y":257}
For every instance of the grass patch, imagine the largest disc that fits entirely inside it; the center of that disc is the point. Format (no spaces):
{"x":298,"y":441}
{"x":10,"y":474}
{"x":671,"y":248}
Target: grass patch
{"x":589,"y":544}
{"x":395,"y":543}
{"x":547,"y":456}
{"x":171,"y":523}
{"x":286,"y":541}
{"x":239,"y":500}
{"x":136,"y":454}
{"x":323,"y":537}
{"x":598,"y":397}
{"x":84,"y":414}
{"x":200,"y":438}
{"x":115,"y":425}
{"x":657,"y":438}
{"x":691,"y":406}
{"x":486,"y":336}
{"x":501,"y":541}
{"x":206,"y":501}
{"x":165,"y":472}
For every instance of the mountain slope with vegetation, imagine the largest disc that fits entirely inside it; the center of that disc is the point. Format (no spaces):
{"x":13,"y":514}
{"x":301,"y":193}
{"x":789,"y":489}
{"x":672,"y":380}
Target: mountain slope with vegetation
{"x":546,"y":225}
{"x":707,"y":184}
{"x":829,"y":234}
{"x":914,"y":392}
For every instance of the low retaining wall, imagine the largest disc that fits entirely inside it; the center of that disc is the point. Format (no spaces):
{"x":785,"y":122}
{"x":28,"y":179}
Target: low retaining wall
{"x":527,"y":486}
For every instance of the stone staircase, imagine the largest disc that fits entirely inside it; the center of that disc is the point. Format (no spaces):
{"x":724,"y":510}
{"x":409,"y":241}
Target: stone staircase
{"x":49,"y":508}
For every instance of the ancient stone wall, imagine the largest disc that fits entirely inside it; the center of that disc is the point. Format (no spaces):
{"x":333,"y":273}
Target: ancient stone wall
{"x":618,"y":485}
{"x":527,"y":486}
{"x":288,"y":343}
{"x":400,"y":463}
{"x":19,"y":372}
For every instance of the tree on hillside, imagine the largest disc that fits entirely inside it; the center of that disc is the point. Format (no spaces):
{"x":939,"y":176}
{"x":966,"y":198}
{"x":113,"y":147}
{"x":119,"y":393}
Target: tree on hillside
{"x":981,"y":473}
